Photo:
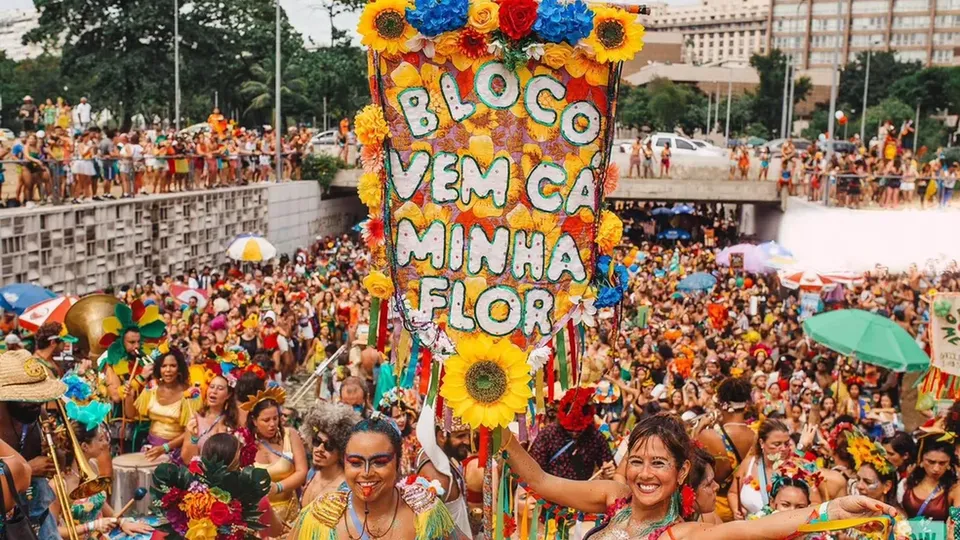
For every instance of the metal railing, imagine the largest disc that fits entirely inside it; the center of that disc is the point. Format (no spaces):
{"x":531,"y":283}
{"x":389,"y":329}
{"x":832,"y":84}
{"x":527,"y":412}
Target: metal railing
{"x":308,"y":384}
{"x":53,"y":181}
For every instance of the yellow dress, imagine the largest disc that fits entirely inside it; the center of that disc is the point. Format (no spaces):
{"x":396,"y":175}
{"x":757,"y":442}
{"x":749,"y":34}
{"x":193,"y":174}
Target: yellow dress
{"x":285,"y":504}
{"x":167,"y":422}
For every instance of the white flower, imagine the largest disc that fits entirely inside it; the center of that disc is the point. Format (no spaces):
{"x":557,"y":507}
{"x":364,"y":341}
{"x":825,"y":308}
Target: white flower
{"x":495,"y":48}
{"x":538,"y":358}
{"x":421,"y":42}
{"x":584,"y":311}
{"x":903,"y":530}
{"x":534,"y":50}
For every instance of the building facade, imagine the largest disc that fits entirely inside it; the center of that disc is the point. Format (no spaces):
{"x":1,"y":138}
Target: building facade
{"x":817,"y":32}
{"x":714,"y":30}
{"x":14,"y":23}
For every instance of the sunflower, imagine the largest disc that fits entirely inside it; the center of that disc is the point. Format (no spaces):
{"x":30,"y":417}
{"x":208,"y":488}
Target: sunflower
{"x":487,"y":383}
{"x":616,"y":36}
{"x":384,"y":26}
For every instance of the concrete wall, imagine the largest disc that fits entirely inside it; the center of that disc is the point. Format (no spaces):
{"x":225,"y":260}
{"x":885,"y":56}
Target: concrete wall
{"x":78,"y":249}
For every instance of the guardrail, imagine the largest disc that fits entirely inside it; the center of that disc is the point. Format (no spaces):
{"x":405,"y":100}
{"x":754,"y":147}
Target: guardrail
{"x":55,"y":181}
{"x":308,"y":384}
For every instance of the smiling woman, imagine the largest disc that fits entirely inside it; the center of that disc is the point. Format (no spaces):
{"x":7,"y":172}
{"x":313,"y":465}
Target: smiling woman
{"x":377,"y":504}
{"x":648,"y":506}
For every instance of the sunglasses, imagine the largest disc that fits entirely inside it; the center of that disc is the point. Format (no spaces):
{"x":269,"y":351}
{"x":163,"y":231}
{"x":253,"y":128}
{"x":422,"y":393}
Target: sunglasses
{"x":322,"y":443}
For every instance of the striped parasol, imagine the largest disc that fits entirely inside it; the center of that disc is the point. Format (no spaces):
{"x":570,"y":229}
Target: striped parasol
{"x":52,"y":310}
{"x":251,"y":248}
{"x":809,"y":280}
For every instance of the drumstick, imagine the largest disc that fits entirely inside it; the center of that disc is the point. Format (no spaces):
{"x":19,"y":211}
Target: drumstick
{"x":138,"y":496}
{"x":126,"y":387}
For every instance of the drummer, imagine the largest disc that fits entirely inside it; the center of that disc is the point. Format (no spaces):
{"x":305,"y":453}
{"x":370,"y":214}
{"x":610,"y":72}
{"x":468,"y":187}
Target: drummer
{"x":169,"y":402}
{"x":217,"y":415}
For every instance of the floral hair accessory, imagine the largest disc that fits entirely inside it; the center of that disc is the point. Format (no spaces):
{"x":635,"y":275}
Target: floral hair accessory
{"x":144,"y":319}
{"x":275,"y":393}
{"x":575,"y":411}
{"x":77,"y":388}
{"x":867,"y":452}
{"x":838,"y":430}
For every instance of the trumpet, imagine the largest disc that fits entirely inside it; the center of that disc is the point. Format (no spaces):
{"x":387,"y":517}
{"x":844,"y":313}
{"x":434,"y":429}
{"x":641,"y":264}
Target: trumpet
{"x":90,"y":482}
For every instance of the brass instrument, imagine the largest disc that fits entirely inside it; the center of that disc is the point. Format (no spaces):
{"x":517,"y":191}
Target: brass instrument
{"x":90,"y":482}
{"x":84,"y":321}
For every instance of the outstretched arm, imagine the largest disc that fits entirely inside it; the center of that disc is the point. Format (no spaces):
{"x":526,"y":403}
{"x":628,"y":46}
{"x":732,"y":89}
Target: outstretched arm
{"x":784,"y":524}
{"x":593,"y":496}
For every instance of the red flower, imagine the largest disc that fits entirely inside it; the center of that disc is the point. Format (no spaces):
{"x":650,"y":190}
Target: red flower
{"x":517,"y":17}
{"x":172,"y":498}
{"x":509,"y":526}
{"x":472,"y":44}
{"x":220,"y":514}
{"x":688,"y":498}
{"x":196,"y":467}
{"x":236,"y":511}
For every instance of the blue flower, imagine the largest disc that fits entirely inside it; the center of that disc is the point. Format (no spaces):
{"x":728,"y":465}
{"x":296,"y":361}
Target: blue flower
{"x":608,"y":297}
{"x":559,"y":21}
{"x":77,"y":388}
{"x":90,"y":415}
{"x":434,"y":17}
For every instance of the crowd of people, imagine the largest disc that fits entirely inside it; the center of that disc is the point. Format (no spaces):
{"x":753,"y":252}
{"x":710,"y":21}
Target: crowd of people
{"x":694,"y":412}
{"x":61,"y":156}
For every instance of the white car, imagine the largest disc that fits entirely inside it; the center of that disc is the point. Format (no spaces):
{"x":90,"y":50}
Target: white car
{"x":679,"y":146}
{"x":708,"y":147}
{"x":190,"y":131}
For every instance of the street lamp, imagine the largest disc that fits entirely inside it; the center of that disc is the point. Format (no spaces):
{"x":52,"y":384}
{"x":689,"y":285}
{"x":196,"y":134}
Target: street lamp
{"x":176,"y":62}
{"x":866,"y":87}
{"x":834,"y":68}
{"x":786,"y":117}
{"x":278,"y":138}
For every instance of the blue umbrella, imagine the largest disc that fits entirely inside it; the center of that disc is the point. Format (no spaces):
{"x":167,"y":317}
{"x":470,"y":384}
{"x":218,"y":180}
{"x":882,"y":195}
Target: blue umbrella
{"x":661,"y":211}
{"x":17,"y":297}
{"x":699,"y":281}
{"x":673,"y":234}
{"x":683,"y":209}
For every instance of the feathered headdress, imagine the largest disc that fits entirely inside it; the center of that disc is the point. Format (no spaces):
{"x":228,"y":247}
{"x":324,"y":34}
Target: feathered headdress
{"x":145,"y":319}
{"x":275,"y":393}
{"x":803,"y":471}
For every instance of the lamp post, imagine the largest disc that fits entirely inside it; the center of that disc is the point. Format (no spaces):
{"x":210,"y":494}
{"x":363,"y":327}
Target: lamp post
{"x":866,"y":88}
{"x":833,"y":102}
{"x":786,"y":122}
{"x":278,"y":136}
{"x":176,"y":63}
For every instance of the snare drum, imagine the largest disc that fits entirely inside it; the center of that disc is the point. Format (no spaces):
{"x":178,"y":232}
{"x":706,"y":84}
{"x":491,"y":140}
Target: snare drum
{"x":132,"y":471}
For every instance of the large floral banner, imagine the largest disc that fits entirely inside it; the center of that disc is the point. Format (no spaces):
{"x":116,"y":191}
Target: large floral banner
{"x":486,"y":157}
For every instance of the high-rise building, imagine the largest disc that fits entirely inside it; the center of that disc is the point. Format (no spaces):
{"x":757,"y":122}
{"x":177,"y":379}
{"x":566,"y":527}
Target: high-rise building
{"x":815,"y":32}
{"x":714,"y":30}
{"x":14,"y":23}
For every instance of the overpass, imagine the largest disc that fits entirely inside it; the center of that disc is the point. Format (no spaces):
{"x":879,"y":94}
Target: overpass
{"x":699,"y":189}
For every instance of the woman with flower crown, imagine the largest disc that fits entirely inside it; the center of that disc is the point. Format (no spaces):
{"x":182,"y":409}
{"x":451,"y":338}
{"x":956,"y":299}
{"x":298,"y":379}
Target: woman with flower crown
{"x":217,"y":415}
{"x":647,"y":506}
{"x":280,"y":451}
{"x":378,"y":504}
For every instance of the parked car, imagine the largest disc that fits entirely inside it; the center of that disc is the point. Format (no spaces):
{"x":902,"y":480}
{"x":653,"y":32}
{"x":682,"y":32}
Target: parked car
{"x":8,"y":134}
{"x":708,"y":147}
{"x":775,"y":146}
{"x":190,"y":131}
{"x":679,"y":146}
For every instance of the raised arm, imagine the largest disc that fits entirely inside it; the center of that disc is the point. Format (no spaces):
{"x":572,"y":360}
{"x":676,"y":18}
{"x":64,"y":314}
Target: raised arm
{"x":593,"y":496}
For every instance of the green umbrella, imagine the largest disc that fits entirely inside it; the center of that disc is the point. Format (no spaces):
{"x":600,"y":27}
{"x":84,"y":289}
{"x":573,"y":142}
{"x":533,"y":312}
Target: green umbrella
{"x":756,"y":141}
{"x":869,"y":338}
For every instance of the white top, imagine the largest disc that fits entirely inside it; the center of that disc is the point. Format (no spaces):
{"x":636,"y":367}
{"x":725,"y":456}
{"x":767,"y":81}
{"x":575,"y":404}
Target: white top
{"x":751,"y":499}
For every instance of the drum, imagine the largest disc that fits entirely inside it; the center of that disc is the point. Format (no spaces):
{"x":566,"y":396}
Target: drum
{"x":132,"y":471}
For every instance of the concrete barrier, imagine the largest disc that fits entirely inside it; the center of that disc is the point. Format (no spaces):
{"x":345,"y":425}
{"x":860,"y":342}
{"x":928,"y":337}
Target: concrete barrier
{"x":78,"y":249}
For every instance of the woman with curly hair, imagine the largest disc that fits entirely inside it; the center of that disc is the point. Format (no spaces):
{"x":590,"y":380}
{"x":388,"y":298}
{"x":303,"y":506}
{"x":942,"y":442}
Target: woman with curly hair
{"x":325,"y":431}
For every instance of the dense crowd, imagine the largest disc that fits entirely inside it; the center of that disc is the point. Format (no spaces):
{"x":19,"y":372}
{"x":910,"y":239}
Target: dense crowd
{"x":694,"y":411}
{"x":57,"y":159}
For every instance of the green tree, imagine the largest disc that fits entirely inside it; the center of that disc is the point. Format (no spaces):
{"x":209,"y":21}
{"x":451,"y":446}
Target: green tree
{"x":632,"y":107}
{"x":339,"y":74}
{"x":668,"y":102}
{"x":768,"y":97}
{"x":884,"y":69}
{"x":935,"y":88}
{"x":260,"y":90}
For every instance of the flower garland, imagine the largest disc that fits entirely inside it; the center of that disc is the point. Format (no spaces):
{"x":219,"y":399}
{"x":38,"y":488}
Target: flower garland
{"x":209,"y":502}
{"x":510,"y":30}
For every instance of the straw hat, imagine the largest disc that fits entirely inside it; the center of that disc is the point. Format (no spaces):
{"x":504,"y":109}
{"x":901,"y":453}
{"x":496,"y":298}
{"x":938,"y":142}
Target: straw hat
{"x":23,"y":378}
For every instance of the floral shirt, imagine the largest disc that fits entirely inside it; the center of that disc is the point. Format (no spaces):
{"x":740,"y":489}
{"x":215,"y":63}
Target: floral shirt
{"x":577,"y":461}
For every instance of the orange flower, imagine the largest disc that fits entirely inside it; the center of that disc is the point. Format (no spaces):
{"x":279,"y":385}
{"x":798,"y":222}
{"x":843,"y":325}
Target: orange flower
{"x":197,"y":505}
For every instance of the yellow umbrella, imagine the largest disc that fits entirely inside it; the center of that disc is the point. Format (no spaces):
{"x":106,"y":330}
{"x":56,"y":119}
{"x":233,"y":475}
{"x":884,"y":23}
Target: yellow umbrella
{"x":251,"y":248}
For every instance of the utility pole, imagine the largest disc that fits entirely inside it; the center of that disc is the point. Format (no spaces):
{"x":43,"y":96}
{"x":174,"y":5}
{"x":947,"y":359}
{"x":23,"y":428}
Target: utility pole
{"x":783,"y":112}
{"x":863,"y":109}
{"x":726,"y":133}
{"x":278,"y":136}
{"x":709,"y":103}
{"x":790,"y":104}
{"x":216,"y":99}
{"x":833,"y":103}
{"x":176,"y":63}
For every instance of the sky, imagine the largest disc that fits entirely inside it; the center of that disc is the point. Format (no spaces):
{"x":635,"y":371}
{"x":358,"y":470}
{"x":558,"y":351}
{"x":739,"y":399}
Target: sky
{"x":305,"y":17}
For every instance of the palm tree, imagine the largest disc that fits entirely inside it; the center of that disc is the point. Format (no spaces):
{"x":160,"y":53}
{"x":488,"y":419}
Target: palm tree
{"x":261,"y":89}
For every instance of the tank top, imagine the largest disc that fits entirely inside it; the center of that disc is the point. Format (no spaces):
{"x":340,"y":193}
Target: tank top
{"x":457,"y":507}
{"x":937,"y":508}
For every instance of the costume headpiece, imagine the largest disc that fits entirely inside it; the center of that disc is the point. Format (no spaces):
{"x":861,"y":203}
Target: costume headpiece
{"x":144,"y":319}
{"x":867,"y":452}
{"x":803,"y":471}
{"x":758,"y":349}
{"x":838,"y":430}
{"x":275,"y":393}
{"x":575,"y":411}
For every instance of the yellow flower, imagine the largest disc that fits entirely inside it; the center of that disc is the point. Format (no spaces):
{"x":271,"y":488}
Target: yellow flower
{"x":370,"y":190}
{"x":484,"y":16}
{"x":447,"y":44}
{"x":610,"y":233}
{"x":370,"y":125}
{"x":482,"y":122}
{"x":555,"y":55}
{"x":379,"y":285}
{"x":384,"y":27}
{"x":201,"y":529}
{"x":487,"y":381}
{"x":616,"y":35}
